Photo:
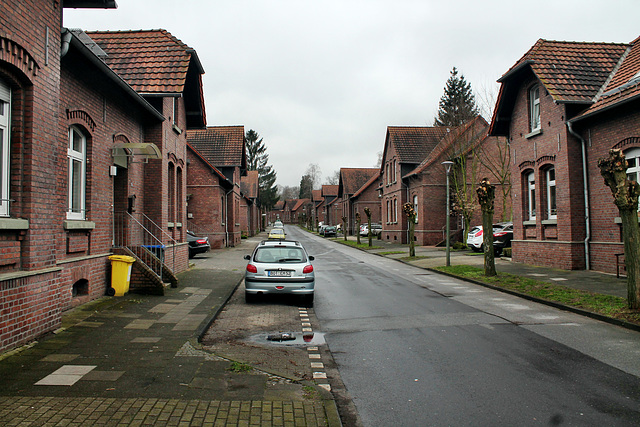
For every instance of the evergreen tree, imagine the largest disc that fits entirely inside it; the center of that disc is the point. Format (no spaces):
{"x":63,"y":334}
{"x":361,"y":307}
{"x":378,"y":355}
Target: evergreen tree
{"x":257,"y":159}
{"x":458,"y":104}
{"x":306,"y":187}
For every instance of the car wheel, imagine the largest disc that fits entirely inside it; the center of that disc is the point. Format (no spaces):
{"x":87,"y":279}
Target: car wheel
{"x":307,"y":300}
{"x":249,"y":298}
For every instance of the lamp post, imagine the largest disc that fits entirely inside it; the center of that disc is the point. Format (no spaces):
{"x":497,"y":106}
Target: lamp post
{"x":447,"y":166}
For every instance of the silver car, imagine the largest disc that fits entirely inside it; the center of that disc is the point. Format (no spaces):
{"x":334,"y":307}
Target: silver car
{"x":279,"y":267}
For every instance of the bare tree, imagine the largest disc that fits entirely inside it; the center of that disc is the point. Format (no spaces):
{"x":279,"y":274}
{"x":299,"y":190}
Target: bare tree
{"x":334,"y":178}
{"x":313,"y":171}
{"x":486,"y":97}
{"x":486,"y":195}
{"x":379,"y":162}
{"x":497,"y":159}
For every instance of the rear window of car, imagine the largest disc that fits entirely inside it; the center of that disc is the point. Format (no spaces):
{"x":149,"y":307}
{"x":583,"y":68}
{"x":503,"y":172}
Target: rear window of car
{"x":330,"y":228}
{"x":279,"y":254}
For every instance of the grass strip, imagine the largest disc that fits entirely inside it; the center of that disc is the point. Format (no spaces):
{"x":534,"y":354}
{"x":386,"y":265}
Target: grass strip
{"x":607,"y":305}
{"x":356,"y":245}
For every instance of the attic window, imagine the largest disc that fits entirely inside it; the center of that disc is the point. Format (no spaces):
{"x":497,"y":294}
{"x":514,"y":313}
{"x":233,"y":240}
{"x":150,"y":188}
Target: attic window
{"x":534,"y":108}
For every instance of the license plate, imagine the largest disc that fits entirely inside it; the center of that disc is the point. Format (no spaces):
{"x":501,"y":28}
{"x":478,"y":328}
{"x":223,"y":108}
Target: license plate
{"x":279,"y":273}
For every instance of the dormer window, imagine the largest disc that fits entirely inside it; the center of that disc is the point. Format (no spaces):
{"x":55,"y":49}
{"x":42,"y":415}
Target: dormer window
{"x":534,"y":108}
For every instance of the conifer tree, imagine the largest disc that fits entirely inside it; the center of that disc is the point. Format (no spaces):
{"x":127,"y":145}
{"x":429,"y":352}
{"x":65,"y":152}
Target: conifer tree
{"x":257,"y":159}
{"x":458,"y":104}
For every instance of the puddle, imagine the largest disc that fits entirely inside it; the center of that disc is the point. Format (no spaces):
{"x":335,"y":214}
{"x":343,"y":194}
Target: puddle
{"x":288,"y":338}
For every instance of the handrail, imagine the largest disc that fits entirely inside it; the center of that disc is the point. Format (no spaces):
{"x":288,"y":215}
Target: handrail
{"x":163,"y":233}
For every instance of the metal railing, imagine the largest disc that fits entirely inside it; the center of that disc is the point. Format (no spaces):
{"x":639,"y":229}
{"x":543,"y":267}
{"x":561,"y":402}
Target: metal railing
{"x":145,"y":239}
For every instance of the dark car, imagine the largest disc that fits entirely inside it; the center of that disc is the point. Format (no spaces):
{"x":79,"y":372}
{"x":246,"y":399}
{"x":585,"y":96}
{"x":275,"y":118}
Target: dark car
{"x":329,"y":231}
{"x":502,"y":238}
{"x":197,"y":245}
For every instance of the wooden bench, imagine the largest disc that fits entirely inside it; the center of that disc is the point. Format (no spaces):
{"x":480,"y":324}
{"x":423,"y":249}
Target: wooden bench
{"x":620,"y":264}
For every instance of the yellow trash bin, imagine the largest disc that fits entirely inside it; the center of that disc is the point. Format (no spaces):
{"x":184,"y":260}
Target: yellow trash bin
{"x":120,"y":274}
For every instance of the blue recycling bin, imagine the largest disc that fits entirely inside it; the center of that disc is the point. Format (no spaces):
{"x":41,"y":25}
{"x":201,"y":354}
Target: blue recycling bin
{"x":157,"y":250}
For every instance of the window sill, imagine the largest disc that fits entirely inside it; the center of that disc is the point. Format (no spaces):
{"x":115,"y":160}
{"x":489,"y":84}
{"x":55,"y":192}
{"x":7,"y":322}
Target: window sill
{"x":75,"y":224}
{"x":14,"y":224}
{"x":553,"y":221}
{"x":178,"y":225}
{"x":176,"y":129}
{"x":170,"y":225}
{"x":532,"y":222}
{"x":533,"y":133}
{"x":618,"y":220}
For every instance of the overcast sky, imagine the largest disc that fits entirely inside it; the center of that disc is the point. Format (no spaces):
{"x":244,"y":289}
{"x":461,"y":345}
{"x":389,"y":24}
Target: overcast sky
{"x":320,"y":81}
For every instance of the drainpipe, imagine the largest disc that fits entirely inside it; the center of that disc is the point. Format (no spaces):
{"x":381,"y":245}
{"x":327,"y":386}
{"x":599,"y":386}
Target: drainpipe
{"x":226,"y":215}
{"x":66,"y":40}
{"x":586,"y":194}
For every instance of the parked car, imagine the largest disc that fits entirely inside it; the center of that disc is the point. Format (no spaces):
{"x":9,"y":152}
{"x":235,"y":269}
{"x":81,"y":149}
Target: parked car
{"x":329,"y":231}
{"x":278,"y":224}
{"x":279,"y":267}
{"x":321,"y":229}
{"x":502,"y":233}
{"x":375,"y":229}
{"x":502,"y":238}
{"x":197,"y":245}
{"x":277,"y":233}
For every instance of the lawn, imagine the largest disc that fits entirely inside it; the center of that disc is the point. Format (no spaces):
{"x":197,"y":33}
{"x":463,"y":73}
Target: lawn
{"x":607,"y":305}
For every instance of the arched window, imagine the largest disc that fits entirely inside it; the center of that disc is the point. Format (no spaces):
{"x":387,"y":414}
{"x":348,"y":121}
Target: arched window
{"x":5,"y":120}
{"x":550,"y":175}
{"x":531,"y":196}
{"x":77,"y":161}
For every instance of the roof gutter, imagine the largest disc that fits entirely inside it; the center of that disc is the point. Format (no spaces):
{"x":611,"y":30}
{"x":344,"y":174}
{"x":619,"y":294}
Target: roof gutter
{"x":586,"y":194}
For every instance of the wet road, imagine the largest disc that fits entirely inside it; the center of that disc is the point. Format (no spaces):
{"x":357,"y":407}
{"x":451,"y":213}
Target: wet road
{"x":414,"y":348}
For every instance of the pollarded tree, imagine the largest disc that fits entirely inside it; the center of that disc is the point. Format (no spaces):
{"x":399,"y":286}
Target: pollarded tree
{"x":457,"y":105}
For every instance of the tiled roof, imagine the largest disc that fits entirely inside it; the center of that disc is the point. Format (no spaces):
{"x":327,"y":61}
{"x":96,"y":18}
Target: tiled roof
{"x":279,"y":205}
{"x":461,"y":139}
{"x":413,"y":144}
{"x":571,"y":71}
{"x":300,"y":203}
{"x":330,"y":190}
{"x":249,"y":184}
{"x":316,"y":195}
{"x":213,"y":168}
{"x":624,"y":85}
{"x":222,"y":146}
{"x":151,"y":61}
{"x":352,"y":179}
{"x":373,"y":180}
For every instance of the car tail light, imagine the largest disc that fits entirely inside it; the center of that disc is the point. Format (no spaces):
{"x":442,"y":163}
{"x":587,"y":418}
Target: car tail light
{"x":478,"y":234}
{"x":500,"y":234}
{"x":307,"y":269}
{"x":201,"y":241}
{"x":252,"y":268}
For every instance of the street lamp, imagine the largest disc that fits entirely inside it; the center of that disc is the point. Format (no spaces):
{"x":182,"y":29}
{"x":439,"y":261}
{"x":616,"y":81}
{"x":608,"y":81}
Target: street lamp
{"x":447,"y":166}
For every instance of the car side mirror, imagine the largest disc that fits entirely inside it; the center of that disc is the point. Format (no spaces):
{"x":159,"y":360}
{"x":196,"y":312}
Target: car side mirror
{"x":247,"y":257}
{"x":311,"y":257}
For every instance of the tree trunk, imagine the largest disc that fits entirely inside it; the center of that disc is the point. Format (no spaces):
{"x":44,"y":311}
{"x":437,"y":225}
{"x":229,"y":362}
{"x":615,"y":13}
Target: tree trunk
{"x":370,"y":234}
{"x":625,"y":196}
{"x":412,"y":243}
{"x":344,"y":227}
{"x":358,"y":231}
{"x":486,"y":195}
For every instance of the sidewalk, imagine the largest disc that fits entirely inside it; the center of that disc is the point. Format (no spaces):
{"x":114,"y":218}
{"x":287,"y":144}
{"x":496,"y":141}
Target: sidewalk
{"x":136,"y":360}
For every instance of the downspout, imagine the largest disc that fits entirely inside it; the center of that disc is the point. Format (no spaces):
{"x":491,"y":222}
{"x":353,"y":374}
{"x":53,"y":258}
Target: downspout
{"x":226,"y":215}
{"x":66,"y":41}
{"x":586,"y":194}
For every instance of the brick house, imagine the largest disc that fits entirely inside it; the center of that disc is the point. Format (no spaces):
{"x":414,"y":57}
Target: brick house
{"x":67,"y":175}
{"x":351,"y":180}
{"x":367,"y":196}
{"x":249,"y":205}
{"x":317,"y":201}
{"x":484,"y":156}
{"x":207,"y":189}
{"x":277,"y":212}
{"x":223,"y":147}
{"x":404,"y":149}
{"x":562,"y":106}
{"x":329,"y":210}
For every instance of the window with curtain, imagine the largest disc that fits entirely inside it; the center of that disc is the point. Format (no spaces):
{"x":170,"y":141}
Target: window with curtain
{"x":552,"y":212}
{"x":77,"y":161}
{"x":531,"y":196}
{"x":534,"y":108}
{"x":5,"y":110}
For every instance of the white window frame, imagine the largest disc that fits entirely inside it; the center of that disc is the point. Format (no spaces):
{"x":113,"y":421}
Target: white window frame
{"x":415,"y":207}
{"x":633,"y":172}
{"x":395,"y":211}
{"x":531,"y":195}
{"x":552,"y":208}
{"x":5,"y":133}
{"x":78,"y":188}
{"x":534,"y":108}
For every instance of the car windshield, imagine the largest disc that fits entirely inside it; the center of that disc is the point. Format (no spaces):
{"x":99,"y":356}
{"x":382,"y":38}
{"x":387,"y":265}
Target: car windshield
{"x":279,"y":254}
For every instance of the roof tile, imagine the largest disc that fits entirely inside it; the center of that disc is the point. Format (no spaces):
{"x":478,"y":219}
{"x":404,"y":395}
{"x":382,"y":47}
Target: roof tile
{"x":413,"y":144}
{"x":222,"y":146}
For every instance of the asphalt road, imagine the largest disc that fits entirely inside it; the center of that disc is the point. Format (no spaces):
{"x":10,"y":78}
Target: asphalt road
{"x":414,"y":348}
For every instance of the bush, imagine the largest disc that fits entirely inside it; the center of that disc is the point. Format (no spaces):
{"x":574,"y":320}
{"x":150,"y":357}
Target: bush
{"x":459,"y":246}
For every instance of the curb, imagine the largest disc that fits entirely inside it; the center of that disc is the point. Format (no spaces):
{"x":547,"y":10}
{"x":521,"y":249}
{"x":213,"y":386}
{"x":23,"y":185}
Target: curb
{"x":204,"y":326}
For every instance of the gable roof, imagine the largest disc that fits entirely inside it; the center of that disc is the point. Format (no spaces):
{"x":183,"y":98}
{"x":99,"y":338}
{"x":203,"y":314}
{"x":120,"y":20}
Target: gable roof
{"x":572,"y":72}
{"x":412,"y":144}
{"x":623,"y":86}
{"x":215,"y":170}
{"x":154,"y":62}
{"x":222,"y":146}
{"x":468,"y":135}
{"x":249,"y":184}
{"x":330,"y":190}
{"x":352,"y":179}
{"x":374,"y":179}
{"x":316,"y":195}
